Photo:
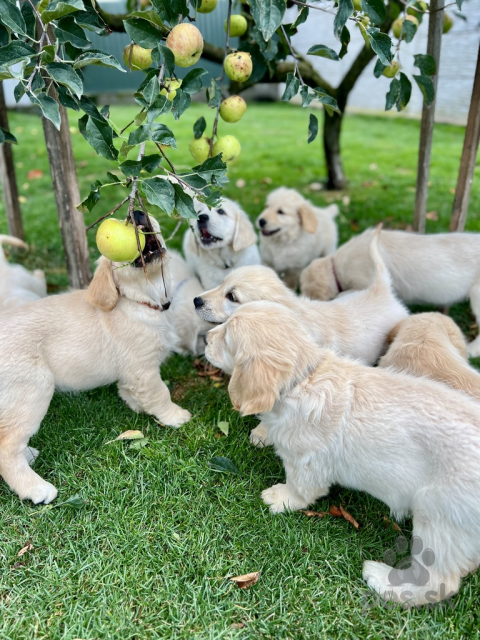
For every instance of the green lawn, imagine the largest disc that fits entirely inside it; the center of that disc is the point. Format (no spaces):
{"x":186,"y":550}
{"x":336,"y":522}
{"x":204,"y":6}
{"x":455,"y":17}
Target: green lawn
{"x":150,"y":554}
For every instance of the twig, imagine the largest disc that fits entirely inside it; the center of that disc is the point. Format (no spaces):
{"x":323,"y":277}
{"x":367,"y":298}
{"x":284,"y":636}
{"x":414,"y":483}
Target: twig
{"x":130,"y":123}
{"x":38,"y":63}
{"x":159,"y":146}
{"x":131,"y":208}
{"x":227,"y":47}
{"x":294,"y":55}
{"x":174,"y":232}
{"x":108,"y":214}
{"x":311,"y":6}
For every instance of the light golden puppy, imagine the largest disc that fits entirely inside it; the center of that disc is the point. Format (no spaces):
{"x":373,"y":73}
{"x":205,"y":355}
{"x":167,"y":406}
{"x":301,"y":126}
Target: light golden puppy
{"x":431,"y":345}
{"x":294,"y":232}
{"x":17,"y":285}
{"x":115,"y":331}
{"x":410,"y":442}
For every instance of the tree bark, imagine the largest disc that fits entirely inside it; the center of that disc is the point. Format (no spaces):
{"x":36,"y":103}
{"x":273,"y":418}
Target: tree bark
{"x":67,"y":196}
{"x":8,"y":179}
{"x":332,"y":126}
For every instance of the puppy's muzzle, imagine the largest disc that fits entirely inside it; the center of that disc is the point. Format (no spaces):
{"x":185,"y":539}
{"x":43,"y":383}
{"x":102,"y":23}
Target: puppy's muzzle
{"x":153,"y":250}
{"x":198,"y":302}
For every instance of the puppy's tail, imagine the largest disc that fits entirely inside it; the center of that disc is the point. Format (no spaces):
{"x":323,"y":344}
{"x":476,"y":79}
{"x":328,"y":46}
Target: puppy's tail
{"x":13,"y":242}
{"x":381,"y":280}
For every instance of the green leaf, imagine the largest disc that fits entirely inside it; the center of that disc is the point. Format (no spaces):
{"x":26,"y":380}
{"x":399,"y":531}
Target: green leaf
{"x":184,"y":203}
{"x":6,"y":136}
{"x":220,"y":463}
{"x":328,"y":102}
{"x":76,"y":502}
{"x":90,"y":109}
{"x":223,"y":426}
{"x":215,"y":94}
{"x":150,"y":16}
{"x":375,"y":10}
{"x":67,"y":30}
{"x":323,"y":51}
{"x":301,"y":17}
{"x":160,"y":193}
{"x":213,"y":171}
{"x":61,"y":8}
{"x":132,"y":168}
{"x":291,"y":88}
{"x":378,"y":69}
{"x":143,"y":33}
{"x":381,"y":44}
{"x":345,"y":40}
{"x":113,"y":178}
{"x":155,"y":131}
{"x":426,"y":64}
{"x":48,"y":53}
{"x":199,"y":127}
{"x":312,"y":128}
{"x":96,"y":57}
{"x":393,"y":94}
{"x":459,"y":4}
{"x":11,"y":17}
{"x":91,"y":200}
{"x":344,"y":11}
{"x":91,"y":20}
{"x":14,"y":52}
{"x":409,"y":29}
{"x":99,"y":135}
{"x":307,"y":95}
{"x":138,"y":444}
{"x":167,"y":58}
{"x":30,"y":22}
{"x":268,"y":15}
{"x":171,"y":10}
{"x":181,"y":102}
{"x":192,"y":82}
{"x":160,"y":105}
{"x":405,"y":92}
{"x":64,"y":74}
{"x":49,"y":107}
{"x":425,"y":85}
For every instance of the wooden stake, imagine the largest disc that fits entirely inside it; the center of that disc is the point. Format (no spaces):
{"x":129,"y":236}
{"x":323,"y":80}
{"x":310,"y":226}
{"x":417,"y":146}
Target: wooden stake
{"x":469,"y":156}
{"x":435,"y":29}
{"x":8,"y":179}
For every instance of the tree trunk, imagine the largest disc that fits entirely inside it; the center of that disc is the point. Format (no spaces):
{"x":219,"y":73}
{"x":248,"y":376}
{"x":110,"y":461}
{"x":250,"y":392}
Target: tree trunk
{"x":331,"y":143}
{"x":67,"y":196}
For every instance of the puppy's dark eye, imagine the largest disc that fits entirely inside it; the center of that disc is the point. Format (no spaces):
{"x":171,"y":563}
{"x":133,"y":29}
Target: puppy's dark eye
{"x":221,"y":212}
{"x":280,"y":212}
{"x":231,"y":297}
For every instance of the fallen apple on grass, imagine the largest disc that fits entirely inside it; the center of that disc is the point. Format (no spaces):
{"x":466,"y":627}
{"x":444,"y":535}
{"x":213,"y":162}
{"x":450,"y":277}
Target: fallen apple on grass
{"x":186,"y":43}
{"x":117,"y":241}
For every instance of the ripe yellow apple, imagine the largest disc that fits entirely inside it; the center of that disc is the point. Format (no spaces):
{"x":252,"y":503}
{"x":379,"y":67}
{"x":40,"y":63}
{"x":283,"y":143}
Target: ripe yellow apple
{"x":200,"y":149}
{"x":171,"y":87}
{"x":238,"y":25}
{"x":207,"y":6}
{"x":447,"y":22}
{"x":228,"y":146}
{"x":186,"y":43}
{"x":392,"y":70}
{"x":238,"y":66}
{"x":233,"y":108}
{"x":137,"y":58}
{"x":116,"y":240}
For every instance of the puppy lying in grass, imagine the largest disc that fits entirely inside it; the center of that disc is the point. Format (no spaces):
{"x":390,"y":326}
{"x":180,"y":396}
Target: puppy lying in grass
{"x":17,"y":285}
{"x":431,"y":345}
{"x":410,"y":442}
{"x":439,"y":269}
{"x":294,"y":232}
{"x":355,"y":325}
{"x":115,"y":331}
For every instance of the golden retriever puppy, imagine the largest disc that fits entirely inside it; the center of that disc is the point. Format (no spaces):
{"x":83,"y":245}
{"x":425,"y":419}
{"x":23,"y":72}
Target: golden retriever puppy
{"x":431,"y":345}
{"x":219,"y":241}
{"x":411,"y":442}
{"x":294,"y":232}
{"x":115,"y":331}
{"x":17,"y":285}
{"x":439,"y":269}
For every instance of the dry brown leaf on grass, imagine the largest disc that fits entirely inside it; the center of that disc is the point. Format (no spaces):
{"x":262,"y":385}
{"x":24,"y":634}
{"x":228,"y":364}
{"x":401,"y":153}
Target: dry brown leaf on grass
{"x":432,"y":215}
{"x":389,"y":523}
{"x":318,"y":514}
{"x":246,"y":581}
{"x":206,"y":370}
{"x":34,"y":174}
{"x":238,"y":625}
{"x":28,"y":547}
{"x":341,"y":513}
{"x":131,"y":434}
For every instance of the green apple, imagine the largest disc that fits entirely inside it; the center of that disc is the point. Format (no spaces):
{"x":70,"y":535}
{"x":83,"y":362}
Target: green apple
{"x":447,"y":22}
{"x":116,"y":240}
{"x":238,"y":25}
{"x":418,"y":7}
{"x":200,"y":149}
{"x":232,"y":108}
{"x":238,"y":66}
{"x":137,"y":58}
{"x":207,"y":6}
{"x":357,"y":5}
{"x":392,"y":70}
{"x":397,"y":25}
{"x":171,"y":87}
{"x":186,"y":43}
{"x":228,"y":146}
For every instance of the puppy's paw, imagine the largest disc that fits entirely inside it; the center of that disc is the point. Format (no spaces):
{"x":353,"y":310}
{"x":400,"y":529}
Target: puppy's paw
{"x":31,"y":454}
{"x":259,"y":436}
{"x":176,"y":417}
{"x":279,"y":499}
{"x":473,"y":348}
{"x":39,"y":492}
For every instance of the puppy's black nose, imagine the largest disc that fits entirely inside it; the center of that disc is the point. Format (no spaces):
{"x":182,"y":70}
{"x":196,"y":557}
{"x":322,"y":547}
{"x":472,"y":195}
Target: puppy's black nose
{"x":262,"y":222}
{"x":203,"y":217}
{"x":198,"y":302}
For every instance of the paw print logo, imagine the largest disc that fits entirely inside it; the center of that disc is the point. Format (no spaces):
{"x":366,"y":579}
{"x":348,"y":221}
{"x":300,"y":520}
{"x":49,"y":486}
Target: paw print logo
{"x":409,"y":569}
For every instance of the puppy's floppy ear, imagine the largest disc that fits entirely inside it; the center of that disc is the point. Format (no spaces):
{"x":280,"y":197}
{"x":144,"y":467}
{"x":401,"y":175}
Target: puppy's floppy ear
{"x":244,"y":235}
{"x":308,"y":218}
{"x":393,"y":333}
{"x":102,"y":292}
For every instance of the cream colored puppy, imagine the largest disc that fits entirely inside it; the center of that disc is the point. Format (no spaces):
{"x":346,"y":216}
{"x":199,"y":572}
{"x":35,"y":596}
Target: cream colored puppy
{"x":410,"y":442}
{"x":355,"y":325}
{"x":189,"y":326}
{"x":294,"y":232}
{"x":17,"y":285}
{"x":431,"y":345}
{"x":439,"y":269}
{"x":115,"y":331}
{"x":219,"y":241}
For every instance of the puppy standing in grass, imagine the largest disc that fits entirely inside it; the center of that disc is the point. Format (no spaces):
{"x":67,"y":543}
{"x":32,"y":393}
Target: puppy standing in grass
{"x":17,"y":285}
{"x":117,"y":330}
{"x":439,"y":269}
{"x":294,"y":232}
{"x":219,"y":241}
{"x":410,"y":442}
